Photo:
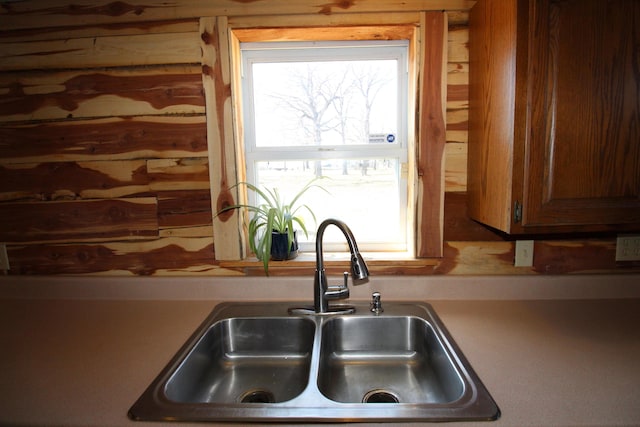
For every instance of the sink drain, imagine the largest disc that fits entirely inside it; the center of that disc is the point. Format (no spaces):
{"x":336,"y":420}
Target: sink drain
{"x":257,"y":396}
{"x":380,"y":396}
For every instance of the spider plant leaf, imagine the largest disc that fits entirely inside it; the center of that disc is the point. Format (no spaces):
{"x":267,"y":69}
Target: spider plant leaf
{"x":267,"y":238}
{"x":273,"y":213}
{"x":300,"y":222}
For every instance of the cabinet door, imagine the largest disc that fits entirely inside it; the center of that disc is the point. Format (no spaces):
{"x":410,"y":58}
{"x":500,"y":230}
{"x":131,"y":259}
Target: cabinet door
{"x":582,"y":161}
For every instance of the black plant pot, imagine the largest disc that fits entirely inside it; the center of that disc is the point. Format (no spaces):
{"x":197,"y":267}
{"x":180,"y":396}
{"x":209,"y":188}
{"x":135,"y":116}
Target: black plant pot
{"x":279,"y":250}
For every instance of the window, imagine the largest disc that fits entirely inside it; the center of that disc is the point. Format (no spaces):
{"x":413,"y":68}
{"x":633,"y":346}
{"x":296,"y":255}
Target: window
{"x":336,"y":110}
{"x":426,"y":112}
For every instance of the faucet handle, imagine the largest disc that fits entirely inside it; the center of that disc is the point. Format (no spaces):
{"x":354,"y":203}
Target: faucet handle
{"x":338,"y":291}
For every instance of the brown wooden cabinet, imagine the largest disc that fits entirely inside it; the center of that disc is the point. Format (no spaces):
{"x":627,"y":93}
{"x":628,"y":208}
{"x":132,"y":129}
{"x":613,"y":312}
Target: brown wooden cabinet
{"x":554,"y":126}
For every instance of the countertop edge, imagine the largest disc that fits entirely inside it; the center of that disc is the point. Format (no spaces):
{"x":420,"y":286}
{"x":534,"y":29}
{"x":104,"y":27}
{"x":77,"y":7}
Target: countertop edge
{"x":588,"y":286}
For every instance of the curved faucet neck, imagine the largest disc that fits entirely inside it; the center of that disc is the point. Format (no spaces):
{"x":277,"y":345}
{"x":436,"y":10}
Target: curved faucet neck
{"x":358,"y":267}
{"x":353,"y":247}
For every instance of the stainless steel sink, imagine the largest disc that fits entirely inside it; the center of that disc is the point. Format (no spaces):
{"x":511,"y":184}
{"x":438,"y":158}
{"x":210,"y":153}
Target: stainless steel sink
{"x":246,"y":360}
{"x":257,"y":362}
{"x":386,"y":360}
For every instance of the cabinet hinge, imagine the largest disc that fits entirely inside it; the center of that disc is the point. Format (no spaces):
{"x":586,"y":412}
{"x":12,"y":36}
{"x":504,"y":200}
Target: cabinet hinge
{"x":517,"y":212}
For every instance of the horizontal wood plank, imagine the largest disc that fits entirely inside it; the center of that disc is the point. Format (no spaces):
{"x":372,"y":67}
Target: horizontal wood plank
{"x":116,"y":29}
{"x":72,"y":180}
{"x":92,"y":93}
{"x":164,"y":256}
{"x":178,"y":174}
{"x":194,"y":256}
{"x":333,"y":20}
{"x":100,"y":179}
{"x":357,"y":32}
{"x":169,"y":169}
{"x":457,"y":94}
{"x":186,"y":208}
{"x":550,"y":257}
{"x":75,"y":221}
{"x":455,"y":167}
{"x":458,"y":44}
{"x":458,"y":119}
{"x":304,"y":265}
{"x":483,"y":258}
{"x":458,"y":17}
{"x":461,"y":136}
{"x":458,"y":73}
{"x":577,"y":256}
{"x":43,"y":13}
{"x":104,"y":139}
{"x":104,"y":51}
{"x":196,"y":231}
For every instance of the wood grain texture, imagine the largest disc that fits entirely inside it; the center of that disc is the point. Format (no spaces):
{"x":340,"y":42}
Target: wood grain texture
{"x":177,"y":174}
{"x":113,"y":93}
{"x":164,"y":256}
{"x":458,"y":43}
{"x":184,"y":209}
{"x":95,"y":220}
{"x":326,"y":21}
{"x":584,"y":159}
{"x":103,"y":150}
{"x":458,"y":226}
{"x":104,"y":139}
{"x":610,"y":111}
{"x":457,"y":120}
{"x":138,"y":132}
{"x":492,"y":67}
{"x":351,"y":32}
{"x":216,"y":79}
{"x":169,"y":26}
{"x":102,"y":51}
{"x":43,"y":13}
{"x":455,"y":167}
{"x":432,"y":135}
{"x":72,"y":180}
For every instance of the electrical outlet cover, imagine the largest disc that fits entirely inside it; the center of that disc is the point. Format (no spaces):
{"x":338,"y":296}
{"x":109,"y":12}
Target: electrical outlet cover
{"x":524,"y":253}
{"x":4,"y":258}
{"x":628,"y":248}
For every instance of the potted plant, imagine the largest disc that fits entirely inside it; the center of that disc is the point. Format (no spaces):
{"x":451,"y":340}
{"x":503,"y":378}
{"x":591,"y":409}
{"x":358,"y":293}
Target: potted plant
{"x":272,"y":233}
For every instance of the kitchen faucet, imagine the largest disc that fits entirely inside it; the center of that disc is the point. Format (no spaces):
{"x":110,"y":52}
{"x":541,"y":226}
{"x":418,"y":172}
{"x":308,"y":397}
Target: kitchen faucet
{"x":322,"y":292}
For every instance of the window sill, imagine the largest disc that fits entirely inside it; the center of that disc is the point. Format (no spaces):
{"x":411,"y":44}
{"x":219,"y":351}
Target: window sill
{"x":379,"y":263}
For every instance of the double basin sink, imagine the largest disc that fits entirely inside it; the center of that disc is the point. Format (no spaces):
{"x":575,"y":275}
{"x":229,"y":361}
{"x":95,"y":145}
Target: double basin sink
{"x":258,"y":362}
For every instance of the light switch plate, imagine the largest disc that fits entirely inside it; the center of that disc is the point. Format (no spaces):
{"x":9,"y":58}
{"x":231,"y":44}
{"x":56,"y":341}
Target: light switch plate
{"x":628,"y":248}
{"x":4,"y":258}
{"x":524,"y":253}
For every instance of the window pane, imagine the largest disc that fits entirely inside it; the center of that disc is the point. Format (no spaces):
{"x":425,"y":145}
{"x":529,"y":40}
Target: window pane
{"x":336,"y":110}
{"x":364,"y":193}
{"x":325,"y":103}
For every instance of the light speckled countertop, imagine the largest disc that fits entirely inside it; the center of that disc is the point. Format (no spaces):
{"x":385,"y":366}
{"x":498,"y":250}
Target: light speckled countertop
{"x":74,"y":359}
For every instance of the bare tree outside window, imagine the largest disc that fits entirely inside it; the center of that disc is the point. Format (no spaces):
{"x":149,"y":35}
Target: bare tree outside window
{"x":324,"y":103}
{"x":318,"y":101}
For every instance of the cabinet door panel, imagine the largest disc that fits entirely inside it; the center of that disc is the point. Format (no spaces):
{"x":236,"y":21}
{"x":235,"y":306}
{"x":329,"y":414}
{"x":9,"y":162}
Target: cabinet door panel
{"x":584,"y":140}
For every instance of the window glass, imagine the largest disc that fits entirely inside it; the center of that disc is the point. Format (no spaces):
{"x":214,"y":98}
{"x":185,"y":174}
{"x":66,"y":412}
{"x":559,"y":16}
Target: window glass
{"x":324,"y":103}
{"x":336,"y":110}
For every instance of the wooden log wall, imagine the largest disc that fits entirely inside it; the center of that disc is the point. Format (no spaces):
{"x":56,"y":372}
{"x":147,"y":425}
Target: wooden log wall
{"x":104,"y":164}
{"x":103,"y":151}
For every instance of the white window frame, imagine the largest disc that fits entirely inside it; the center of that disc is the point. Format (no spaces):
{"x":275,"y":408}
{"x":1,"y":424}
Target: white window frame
{"x":257,"y":52}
